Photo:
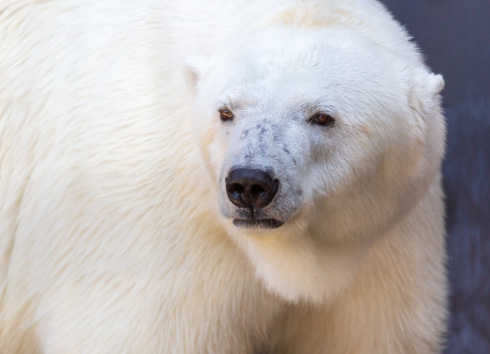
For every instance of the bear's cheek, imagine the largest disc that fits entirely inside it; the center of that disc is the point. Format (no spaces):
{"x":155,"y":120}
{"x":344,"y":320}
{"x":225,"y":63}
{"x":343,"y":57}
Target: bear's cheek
{"x":213,"y":147}
{"x":217,"y":151}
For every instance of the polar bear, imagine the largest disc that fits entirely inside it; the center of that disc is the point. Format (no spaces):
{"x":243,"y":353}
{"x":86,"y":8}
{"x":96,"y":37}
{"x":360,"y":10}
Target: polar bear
{"x":218,"y":177}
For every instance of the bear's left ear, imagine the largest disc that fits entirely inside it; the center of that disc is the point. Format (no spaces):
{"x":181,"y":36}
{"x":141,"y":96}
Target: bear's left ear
{"x":425,"y":89}
{"x":194,"y":68}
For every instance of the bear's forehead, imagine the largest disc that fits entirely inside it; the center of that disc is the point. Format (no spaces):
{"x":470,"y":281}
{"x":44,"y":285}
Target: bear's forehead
{"x":309,"y":67}
{"x":265,"y":100}
{"x":286,"y":87}
{"x":304,"y":58}
{"x":290,"y":45}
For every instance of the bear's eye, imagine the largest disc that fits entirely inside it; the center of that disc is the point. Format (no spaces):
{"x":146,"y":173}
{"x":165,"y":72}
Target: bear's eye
{"x":226,"y":115}
{"x":321,"y":119}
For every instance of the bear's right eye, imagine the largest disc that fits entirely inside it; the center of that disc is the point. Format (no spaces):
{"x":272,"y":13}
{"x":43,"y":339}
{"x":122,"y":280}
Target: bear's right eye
{"x":322,"y":119}
{"x":226,"y":115}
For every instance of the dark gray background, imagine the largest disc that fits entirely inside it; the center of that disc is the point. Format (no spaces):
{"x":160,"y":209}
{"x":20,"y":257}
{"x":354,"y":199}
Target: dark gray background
{"x":454,"y":35}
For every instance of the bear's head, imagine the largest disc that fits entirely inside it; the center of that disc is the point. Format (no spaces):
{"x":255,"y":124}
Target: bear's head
{"x":316,"y":142}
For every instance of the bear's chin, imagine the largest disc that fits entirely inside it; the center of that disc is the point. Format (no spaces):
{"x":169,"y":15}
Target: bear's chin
{"x":297,"y":269}
{"x":291,"y":264}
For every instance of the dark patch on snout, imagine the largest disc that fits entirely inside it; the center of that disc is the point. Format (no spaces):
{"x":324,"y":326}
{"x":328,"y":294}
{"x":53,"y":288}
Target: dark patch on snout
{"x":262,"y":128}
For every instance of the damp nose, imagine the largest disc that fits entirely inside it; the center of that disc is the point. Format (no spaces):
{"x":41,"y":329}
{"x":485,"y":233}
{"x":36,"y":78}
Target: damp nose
{"x":250,"y":187}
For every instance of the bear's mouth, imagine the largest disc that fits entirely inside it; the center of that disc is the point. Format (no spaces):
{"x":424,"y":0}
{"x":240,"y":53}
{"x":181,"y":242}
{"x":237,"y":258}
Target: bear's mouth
{"x":257,"y":223}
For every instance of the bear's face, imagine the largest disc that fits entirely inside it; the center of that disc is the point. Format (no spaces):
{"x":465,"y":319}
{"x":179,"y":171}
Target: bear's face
{"x":283,"y":124}
{"x":318,"y":133}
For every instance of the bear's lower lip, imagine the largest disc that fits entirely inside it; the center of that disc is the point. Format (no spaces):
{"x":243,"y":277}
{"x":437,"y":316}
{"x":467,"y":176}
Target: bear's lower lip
{"x":258,"y":223}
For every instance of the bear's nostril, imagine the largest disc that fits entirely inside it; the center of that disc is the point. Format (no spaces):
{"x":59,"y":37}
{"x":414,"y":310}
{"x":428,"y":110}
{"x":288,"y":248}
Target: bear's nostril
{"x":250,"y":188}
{"x":235,"y":188}
{"x":256,"y":190}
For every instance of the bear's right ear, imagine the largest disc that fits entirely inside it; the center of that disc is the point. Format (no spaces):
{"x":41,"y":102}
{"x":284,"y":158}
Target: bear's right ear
{"x":194,"y":68}
{"x":425,"y":89}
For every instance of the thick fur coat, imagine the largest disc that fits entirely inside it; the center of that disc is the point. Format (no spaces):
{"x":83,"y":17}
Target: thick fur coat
{"x":117,"y":234}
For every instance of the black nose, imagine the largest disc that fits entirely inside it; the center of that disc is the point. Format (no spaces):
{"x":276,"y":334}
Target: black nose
{"x":250,"y":187}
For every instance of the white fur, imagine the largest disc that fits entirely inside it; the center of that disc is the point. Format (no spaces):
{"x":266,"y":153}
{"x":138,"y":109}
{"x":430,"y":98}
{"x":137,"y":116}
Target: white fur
{"x":116,"y":235}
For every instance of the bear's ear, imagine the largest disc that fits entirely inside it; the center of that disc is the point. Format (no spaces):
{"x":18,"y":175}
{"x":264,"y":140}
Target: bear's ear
{"x":425,"y":89}
{"x":194,"y":68}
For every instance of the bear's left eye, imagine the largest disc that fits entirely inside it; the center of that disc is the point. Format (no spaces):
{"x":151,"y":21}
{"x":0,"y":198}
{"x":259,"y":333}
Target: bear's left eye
{"x":226,"y":115}
{"x":321,"y":119}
